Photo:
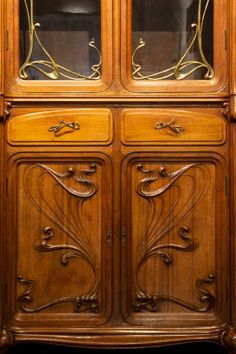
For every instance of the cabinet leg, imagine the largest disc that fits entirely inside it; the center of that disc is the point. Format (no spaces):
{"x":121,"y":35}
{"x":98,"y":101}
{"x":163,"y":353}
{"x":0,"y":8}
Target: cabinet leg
{"x":6,"y":340}
{"x":228,"y":339}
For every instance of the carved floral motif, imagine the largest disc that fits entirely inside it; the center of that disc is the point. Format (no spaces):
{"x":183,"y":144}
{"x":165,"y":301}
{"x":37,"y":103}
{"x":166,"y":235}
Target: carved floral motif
{"x":158,"y":227}
{"x":72,"y":225}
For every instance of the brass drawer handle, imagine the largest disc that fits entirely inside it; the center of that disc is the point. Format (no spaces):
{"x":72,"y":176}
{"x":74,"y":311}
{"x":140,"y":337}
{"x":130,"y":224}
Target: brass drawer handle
{"x":171,"y":125}
{"x":62,"y":124}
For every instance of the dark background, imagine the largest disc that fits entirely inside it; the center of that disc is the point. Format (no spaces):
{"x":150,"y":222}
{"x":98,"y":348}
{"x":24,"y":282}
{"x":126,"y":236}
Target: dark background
{"x":194,"y":348}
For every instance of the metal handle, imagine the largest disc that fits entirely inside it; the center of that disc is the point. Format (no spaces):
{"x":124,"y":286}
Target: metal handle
{"x":171,"y":125}
{"x":62,"y":124}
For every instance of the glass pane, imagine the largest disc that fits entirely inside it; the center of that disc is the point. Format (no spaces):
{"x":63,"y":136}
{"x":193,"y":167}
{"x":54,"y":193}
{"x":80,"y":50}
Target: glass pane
{"x":172,"y":39}
{"x":60,"y":39}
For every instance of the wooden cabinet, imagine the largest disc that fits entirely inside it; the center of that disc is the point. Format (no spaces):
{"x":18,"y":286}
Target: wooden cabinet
{"x":118,"y":174}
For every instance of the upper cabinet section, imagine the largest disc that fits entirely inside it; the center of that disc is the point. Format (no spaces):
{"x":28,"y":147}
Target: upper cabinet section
{"x":64,"y":48}
{"x":59,"y":46}
{"x":174,"y":46}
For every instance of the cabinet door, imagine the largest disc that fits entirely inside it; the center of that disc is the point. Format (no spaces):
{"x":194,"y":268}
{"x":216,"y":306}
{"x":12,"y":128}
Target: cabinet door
{"x":174,"y":46}
{"x":174,"y":240}
{"x":59,"y":239}
{"x":58,"y":46}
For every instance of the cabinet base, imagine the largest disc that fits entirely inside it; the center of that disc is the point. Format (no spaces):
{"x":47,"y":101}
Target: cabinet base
{"x":117,"y":339}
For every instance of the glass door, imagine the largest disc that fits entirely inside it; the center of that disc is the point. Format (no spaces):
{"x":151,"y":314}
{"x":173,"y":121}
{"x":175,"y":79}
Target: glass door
{"x":175,"y":45}
{"x":59,"y":45}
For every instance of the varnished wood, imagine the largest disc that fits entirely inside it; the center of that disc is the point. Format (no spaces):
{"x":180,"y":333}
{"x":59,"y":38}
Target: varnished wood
{"x":1,"y":49}
{"x":232,"y":47}
{"x":233,"y":60}
{"x":120,"y":233}
{"x":233,"y":220}
{"x":233,"y":107}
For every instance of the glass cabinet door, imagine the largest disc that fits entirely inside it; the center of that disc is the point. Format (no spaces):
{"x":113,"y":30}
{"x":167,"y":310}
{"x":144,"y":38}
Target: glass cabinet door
{"x":176,"y":45}
{"x":60,"y":44}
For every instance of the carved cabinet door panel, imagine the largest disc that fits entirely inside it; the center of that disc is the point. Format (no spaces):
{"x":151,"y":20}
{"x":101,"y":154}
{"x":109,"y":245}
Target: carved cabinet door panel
{"x":174,"y":240}
{"x":60,"y":239}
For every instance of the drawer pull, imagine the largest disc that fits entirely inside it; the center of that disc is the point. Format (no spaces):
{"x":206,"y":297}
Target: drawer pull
{"x":171,"y":125}
{"x":62,"y":124}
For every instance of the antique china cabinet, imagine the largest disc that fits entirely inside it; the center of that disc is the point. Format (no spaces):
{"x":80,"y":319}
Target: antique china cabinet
{"x":118,"y":171}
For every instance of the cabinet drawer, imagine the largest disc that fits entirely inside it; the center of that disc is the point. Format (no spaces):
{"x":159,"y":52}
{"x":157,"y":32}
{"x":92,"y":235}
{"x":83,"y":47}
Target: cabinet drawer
{"x":166,"y":126}
{"x":70,"y":126}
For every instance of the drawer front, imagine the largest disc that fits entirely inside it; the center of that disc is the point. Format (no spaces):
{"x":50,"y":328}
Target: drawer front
{"x":173,"y":127}
{"x":70,"y":126}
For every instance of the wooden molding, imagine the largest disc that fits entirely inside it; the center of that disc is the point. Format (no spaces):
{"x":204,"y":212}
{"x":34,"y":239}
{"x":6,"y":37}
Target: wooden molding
{"x":7,"y":106}
{"x":1,"y":109}
{"x":233,"y":108}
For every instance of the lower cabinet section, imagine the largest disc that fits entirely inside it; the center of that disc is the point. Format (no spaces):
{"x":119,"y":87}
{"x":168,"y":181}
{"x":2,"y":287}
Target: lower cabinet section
{"x":116,"y":245}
